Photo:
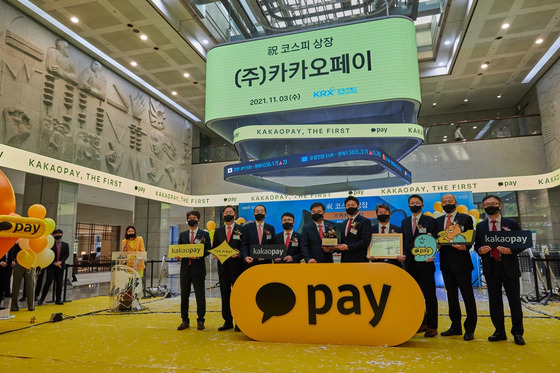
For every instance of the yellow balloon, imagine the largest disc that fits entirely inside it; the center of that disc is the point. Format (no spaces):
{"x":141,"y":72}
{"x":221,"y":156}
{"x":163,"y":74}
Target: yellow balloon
{"x":211,"y":225}
{"x":38,"y":244}
{"x":475,"y":213}
{"x":50,"y":225}
{"x":37,"y":211}
{"x":45,"y":258}
{"x":211,"y":233}
{"x":462,"y":209}
{"x":427,"y":213}
{"x":437,"y":206}
{"x":240,"y":221}
{"x":25,"y":258}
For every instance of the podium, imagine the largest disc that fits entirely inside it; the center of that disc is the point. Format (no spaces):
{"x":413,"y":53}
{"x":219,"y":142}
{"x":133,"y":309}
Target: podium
{"x":126,"y":284}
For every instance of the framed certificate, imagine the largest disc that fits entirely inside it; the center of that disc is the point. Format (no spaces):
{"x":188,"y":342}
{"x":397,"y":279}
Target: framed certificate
{"x":385,"y":246}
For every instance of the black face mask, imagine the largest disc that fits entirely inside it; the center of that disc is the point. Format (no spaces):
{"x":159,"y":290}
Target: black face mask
{"x":287,"y":226}
{"x":415,"y":208}
{"x":384,"y":218}
{"x":192,"y":223}
{"x":228,"y":218}
{"x":492,"y":210}
{"x":259,"y":217}
{"x":57,"y":237}
{"x":449,"y":208}
{"x":317,"y":217}
{"x":351,"y":211}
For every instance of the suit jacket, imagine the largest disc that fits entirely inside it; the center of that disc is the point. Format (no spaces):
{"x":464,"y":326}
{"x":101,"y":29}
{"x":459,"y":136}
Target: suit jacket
{"x":64,"y":253}
{"x":311,"y":244}
{"x":426,"y":222}
{"x":220,"y":235}
{"x":294,"y":250}
{"x":357,"y":243}
{"x":197,"y":266}
{"x":250,"y":236}
{"x":509,"y":262}
{"x":450,"y":258}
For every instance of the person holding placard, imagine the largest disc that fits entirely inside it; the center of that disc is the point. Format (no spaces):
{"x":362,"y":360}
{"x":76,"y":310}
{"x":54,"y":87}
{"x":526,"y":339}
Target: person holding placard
{"x":456,"y":267}
{"x":256,"y":233}
{"x":290,"y":238}
{"x":312,"y":234}
{"x":193,"y":271}
{"x":423,"y":272}
{"x":383,"y":212}
{"x":501,"y":268}
{"x":356,"y":234}
{"x":230,"y":270}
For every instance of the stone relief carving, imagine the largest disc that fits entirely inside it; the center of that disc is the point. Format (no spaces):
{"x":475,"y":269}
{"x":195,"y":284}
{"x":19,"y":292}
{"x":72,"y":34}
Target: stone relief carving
{"x":170,"y":170}
{"x":157,"y":115}
{"x":88,"y":150}
{"x":113,"y":158}
{"x":59,"y":63}
{"x":138,"y":105}
{"x":136,"y":134}
{"x":155,"y":172}
{"x":56,"y":139}
{"x":93,"y":81}
{"x":18,"y":126}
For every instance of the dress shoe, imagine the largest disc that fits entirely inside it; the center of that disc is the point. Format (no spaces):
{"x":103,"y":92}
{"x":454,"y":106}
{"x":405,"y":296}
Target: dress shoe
{"x":237,"y":328}
{"x":423,"y":328}
{"x":467,"y":337}
{"x":58,"y":302}
{"x":497,"y":337}
{"x":430,"y":333}
{"x":450,"y":332}
{"x":200,"y":325}
{"x":519,"y":340}
{"x":225,"y":327}
{"x":184,"y":325}
{"x":40,"y":303}
{"x":14,"y":309}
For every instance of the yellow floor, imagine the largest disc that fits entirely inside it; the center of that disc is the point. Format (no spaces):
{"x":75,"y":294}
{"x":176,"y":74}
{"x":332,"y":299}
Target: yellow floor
{"x":148,"y":341}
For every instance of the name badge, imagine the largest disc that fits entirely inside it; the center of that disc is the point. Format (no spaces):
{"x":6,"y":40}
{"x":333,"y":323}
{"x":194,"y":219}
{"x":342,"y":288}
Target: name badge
{"x":236,"y":237}
{"x":353,"y":231}
{"x":269,"y":237}
{"x":295,"y":244}
{"x":422,"y":230}
{"x":197,"y":240}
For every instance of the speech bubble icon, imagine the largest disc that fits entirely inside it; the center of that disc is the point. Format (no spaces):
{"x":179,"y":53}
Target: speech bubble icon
{"x":275,"y":299}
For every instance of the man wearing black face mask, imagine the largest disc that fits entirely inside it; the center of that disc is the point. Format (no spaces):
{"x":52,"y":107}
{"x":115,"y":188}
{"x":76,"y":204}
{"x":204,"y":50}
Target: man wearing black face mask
{"x":422,"y":272}
{"x":56,"y":269}
{"x":256,"y":233}
{"x":501,"y":268}
{"x":229,"y":271}
{"x":456,"y":267}
{"x":356,"y":234}
{"x":383,"y":212}
{"x":290,"y":238}
{"x":312,"y":237}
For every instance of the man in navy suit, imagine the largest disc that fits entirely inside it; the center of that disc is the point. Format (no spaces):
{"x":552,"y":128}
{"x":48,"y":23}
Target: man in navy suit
{"x":193,"y":271}
{"x":256,"y":233}
{"x":56,"y":269}
{"x":312,"y":237}
{"x":423,"y":272}
{"x":456,"y":267}
{"x":290,"y":238}
{"x":383,"y":212}
{"x":356,"y":234}
{"x":229,"y":271}
{"x":501,"y":268}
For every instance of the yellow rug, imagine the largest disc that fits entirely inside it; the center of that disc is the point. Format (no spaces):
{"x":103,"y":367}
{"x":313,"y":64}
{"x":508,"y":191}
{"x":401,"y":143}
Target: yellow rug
{"x":91,"y":339}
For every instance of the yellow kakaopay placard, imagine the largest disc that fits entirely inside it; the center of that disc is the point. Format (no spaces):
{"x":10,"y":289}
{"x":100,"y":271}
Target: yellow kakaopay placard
{"x":188,"y":250}
{"x":348,"y":303}
{"x":17,"y":226}
{"x":223,"y":252}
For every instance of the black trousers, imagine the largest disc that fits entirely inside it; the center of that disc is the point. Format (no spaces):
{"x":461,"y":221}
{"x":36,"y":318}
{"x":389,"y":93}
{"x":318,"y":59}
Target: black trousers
{"x":186,"y":279}
{"x":53,"y":273}
{"x":495,"y":300}
{"x":227,"y":274}
{"x":5,"y":275}
{"x":453,"y":283}
{"x":424,"y":277}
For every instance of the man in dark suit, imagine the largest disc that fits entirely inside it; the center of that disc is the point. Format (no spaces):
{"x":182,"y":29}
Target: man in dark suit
{"x":501,"y":268}
{"x":230,"y":270}
{"x":456,"y":267}
{"x":256,"y":233}
{"x":356,"y":234}
{"x":423,"y":272}
{"x":312,"y":235}
{"x":290,"y":239}
{"x":6,"y":265}
{"x":383,"y":212}
{"x":193,"y":271}
{"x":56,"y":269}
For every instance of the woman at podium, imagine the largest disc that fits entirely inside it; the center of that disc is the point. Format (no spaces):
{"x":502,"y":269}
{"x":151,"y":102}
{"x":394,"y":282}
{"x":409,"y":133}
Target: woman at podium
{"x":134,"y":243}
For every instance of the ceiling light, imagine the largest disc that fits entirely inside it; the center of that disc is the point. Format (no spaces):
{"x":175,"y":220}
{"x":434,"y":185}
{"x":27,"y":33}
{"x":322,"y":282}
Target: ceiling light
{"x":186,"y":75}
{"x":447,"y":42}
{"x":484,"y":65}
{"x":445,"y":136}
{"x":505,"y":26}
{"x":174,"y":93}
{"x":133,"y":63}
{"x":544,"y":59}
{"x":434,"y":104}
{"x":143,"y":37}
{"x":205,"y":41}
{"x":466,"y":100}
{"x":74,"y":20}
{"x":475,"y":127}
{"x":539,"y":41}
{"x":499,"y":96}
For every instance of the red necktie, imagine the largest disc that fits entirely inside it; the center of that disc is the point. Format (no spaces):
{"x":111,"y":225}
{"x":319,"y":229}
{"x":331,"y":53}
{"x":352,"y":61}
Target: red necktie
{"x":260,"y":232}
{"x":495,"y":252}
{"x":228,"y":235}
{"x":448,"y":222}
{"x":287,"y":240}
{"x":321,"y":230}
{"x":382,"y":229}
{"x":348,"y":227}
{"x":57,"y":251}
{"x":413,"y":225}
{"x":192,"y":236}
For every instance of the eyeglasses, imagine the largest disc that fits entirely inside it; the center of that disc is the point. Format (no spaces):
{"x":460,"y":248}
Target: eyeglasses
{"x":494,"y":204}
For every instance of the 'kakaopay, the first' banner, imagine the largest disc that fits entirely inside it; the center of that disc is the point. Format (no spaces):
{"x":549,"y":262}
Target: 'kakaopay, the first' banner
{"x":341,"y":65}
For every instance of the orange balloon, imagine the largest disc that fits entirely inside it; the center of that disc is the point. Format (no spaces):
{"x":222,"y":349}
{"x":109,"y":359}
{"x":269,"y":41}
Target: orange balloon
{"x":475,"y":213}
{"x":6,"y":244}
{"x":7,"y":196}
{"x":37,"y":211}
{"x":38,"y":244}
{"x":437,"y":206}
